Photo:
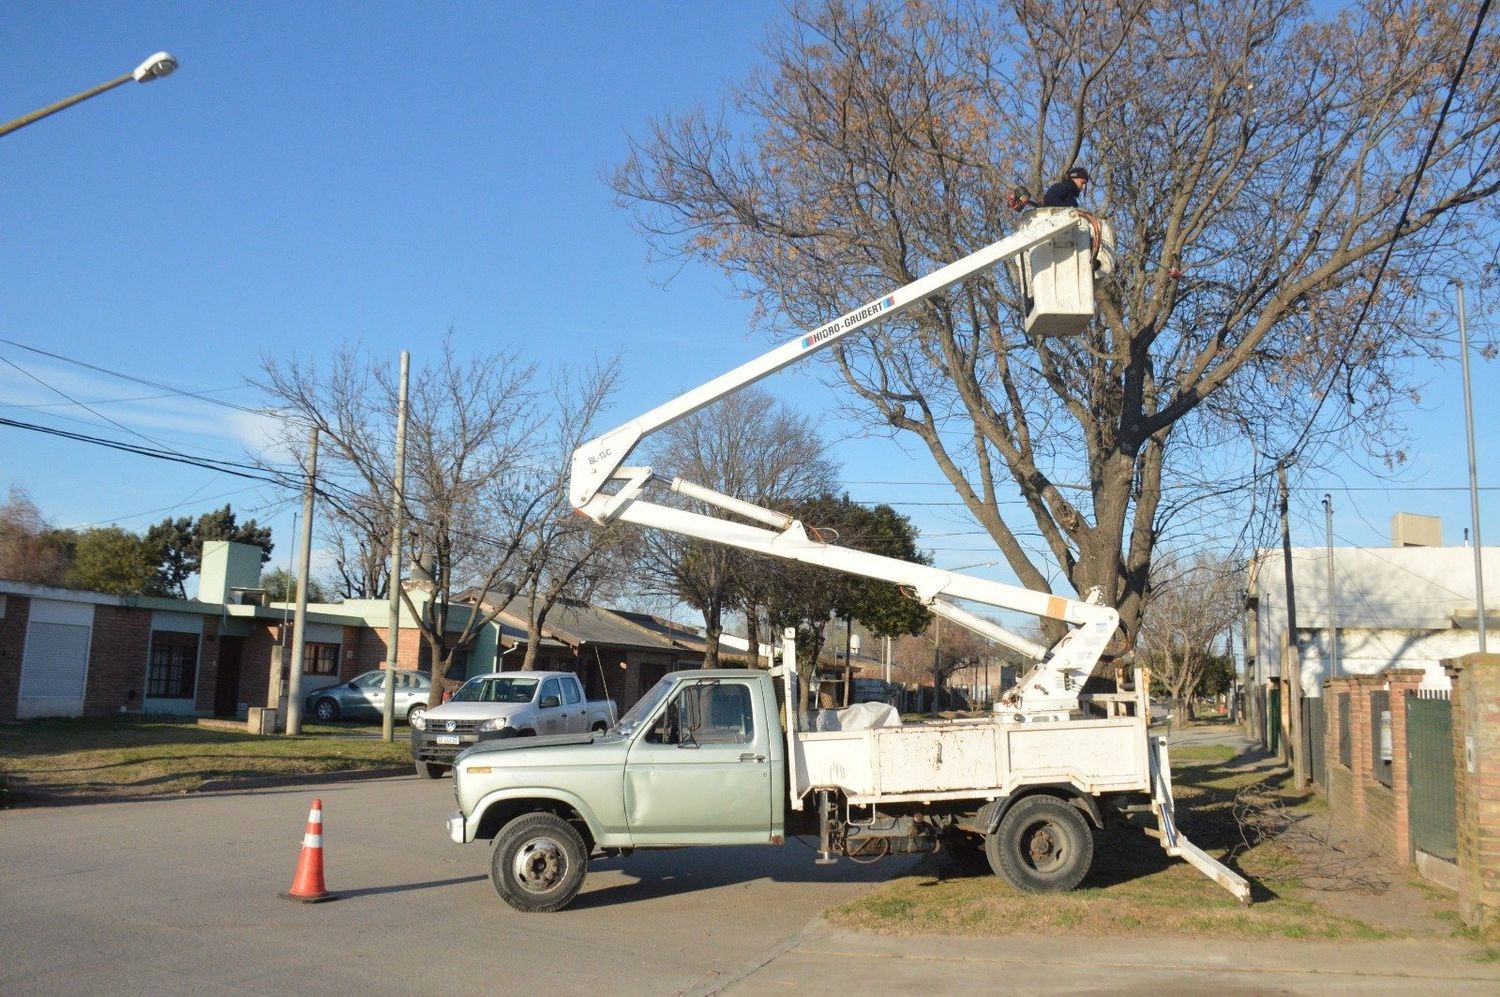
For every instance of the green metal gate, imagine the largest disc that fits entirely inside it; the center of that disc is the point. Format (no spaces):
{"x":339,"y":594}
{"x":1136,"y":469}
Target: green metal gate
{"x":1429,"y":756}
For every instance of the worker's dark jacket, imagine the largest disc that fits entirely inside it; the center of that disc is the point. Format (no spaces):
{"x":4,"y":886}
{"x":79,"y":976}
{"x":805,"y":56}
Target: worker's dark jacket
{"x":1063,"y":194}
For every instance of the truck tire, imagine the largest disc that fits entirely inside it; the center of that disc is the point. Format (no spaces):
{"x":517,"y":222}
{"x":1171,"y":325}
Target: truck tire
{"x":538,"y":863}
{"x":599,"y":727}
{"x":431,"y":770}
{"x":1043,"y":845}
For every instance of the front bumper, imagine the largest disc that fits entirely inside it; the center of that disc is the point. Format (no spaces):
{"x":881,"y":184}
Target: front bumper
{"x":457,"y":830}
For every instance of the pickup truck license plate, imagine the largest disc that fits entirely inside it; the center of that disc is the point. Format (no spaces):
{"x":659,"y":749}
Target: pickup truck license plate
{"x":447,"y":739}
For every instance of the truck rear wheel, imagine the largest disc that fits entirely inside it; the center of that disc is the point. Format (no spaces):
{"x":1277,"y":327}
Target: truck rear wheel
{"x":1043,"y":845}
{"x":538,"y":863}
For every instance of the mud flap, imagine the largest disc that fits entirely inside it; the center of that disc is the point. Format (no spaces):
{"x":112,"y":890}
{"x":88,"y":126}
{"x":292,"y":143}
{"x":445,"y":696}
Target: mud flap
{"x":1173,"y":841}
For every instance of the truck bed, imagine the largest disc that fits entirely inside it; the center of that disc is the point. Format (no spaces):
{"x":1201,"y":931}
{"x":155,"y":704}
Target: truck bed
{"x":962,"y":759}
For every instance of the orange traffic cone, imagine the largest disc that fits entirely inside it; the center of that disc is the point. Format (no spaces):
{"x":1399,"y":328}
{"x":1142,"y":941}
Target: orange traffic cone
{"x":307,"y":882}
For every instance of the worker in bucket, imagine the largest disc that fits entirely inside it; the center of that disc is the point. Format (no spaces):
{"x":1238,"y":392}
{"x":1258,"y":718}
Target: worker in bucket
{"x":1064,"y":193}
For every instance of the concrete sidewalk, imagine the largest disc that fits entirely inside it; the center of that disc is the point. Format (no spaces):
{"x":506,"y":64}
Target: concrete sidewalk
{"x":935,"y":964}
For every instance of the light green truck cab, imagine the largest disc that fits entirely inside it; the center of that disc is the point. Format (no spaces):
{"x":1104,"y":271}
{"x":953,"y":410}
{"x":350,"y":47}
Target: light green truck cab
{"x":700,"y":760}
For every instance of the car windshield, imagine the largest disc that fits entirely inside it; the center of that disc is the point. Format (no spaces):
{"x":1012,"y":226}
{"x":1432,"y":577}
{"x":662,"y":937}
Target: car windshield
{"x":643,"y":708}
{"x":496,"y":690}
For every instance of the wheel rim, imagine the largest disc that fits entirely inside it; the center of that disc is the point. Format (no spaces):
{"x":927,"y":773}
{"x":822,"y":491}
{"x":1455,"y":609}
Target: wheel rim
{"x":540,"y":865}
{"x":1044,"y":846}
{"x":415,"y":713}
{"x":325,"y":710}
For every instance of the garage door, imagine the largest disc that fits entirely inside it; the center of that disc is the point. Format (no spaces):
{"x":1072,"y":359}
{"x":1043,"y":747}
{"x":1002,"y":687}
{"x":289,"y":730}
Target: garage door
{"x":54,"y":665}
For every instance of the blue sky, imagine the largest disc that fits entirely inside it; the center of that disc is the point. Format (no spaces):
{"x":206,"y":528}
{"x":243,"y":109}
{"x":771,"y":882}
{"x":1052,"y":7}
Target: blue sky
{"x":317,"y":174}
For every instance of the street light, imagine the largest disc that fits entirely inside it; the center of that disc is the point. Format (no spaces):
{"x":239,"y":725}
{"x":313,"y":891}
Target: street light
{"x":159,"y":65}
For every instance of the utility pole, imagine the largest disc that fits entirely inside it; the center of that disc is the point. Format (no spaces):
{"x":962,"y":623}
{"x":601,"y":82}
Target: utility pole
{"x":398,"y":509}
{"x":937,"y":645}
{"x":1463,"y":351}
{"x":1291,"y":658}
{"x":299,"y":618}
{"x":1333,"y":603}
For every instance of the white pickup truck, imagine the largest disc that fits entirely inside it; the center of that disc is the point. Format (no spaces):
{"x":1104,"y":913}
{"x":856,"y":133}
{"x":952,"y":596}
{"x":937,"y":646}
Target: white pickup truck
{"x":502,"y":705}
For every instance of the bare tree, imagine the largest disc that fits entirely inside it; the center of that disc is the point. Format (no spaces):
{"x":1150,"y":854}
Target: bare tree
{"x":30,"y":549}
{"x":1192,"y":603}
{"x":482,"y":473}
{"x":1290,"y":187}
{"x":579,"y":560}
{"x":746,"y":445}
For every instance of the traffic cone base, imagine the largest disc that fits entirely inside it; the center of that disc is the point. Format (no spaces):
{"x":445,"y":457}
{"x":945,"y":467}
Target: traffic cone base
{"x":307,"y":881}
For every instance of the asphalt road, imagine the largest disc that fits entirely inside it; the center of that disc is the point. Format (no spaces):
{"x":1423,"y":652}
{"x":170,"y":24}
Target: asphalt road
{"x":180,"y":895}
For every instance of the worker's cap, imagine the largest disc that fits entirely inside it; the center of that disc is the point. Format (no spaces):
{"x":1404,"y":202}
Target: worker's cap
{"x":1078,"y":173}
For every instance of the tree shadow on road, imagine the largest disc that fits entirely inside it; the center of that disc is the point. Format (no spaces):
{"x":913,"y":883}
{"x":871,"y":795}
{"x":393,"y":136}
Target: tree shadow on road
{"x":370,"y":891}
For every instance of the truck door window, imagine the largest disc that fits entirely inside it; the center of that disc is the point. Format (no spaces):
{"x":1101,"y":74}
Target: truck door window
{"x":571,"y":695}
{"x":707,"y":713}
{"x":550,"y":688}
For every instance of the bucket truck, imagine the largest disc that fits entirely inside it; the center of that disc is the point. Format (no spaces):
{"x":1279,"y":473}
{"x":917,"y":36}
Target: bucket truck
{"x":714,"y":757}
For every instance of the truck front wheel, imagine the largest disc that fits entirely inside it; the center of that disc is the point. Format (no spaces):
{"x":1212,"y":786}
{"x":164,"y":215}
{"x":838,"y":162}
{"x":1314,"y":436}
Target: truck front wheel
{"x":1043,"y":845}
{"x":538,"y":863}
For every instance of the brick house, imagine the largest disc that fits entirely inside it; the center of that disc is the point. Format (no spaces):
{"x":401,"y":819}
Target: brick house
{"x":69,"y":653}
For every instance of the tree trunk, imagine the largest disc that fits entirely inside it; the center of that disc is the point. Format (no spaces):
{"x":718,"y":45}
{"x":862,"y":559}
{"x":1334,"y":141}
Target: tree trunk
{"x":713,"y":628}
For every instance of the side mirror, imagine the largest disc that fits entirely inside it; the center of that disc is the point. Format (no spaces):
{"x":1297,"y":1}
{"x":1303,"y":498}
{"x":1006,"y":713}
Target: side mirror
{"x":550,"y":702}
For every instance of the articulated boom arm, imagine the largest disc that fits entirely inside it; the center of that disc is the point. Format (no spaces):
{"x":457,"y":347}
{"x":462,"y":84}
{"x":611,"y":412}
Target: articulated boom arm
{"x":600,"y":459}
{"x":1050,"y":689}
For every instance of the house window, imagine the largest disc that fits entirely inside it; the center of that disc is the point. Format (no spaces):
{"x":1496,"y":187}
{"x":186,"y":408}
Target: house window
{"x":320,"y":659}
{"x":174,"y":665}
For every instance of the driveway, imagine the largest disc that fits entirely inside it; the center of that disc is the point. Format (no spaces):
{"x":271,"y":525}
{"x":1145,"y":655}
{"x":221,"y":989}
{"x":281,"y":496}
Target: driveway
{"x":177,"y":895}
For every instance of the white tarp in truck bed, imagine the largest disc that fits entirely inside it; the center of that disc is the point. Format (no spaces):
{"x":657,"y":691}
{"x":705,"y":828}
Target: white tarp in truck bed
{"x":860,"y":716}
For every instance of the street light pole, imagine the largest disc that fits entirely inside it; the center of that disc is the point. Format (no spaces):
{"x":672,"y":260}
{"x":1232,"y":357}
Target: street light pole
{"x":159,"y":65}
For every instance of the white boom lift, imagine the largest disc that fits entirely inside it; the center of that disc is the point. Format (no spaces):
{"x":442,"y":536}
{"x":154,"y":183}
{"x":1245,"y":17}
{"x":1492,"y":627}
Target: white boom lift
{"x":912,"y":780}
{"x":1050,"y":241}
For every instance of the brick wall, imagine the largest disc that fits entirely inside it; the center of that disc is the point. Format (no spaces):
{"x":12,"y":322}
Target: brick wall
{"x":1379,"y":814}
{"x":208,"y":665}
{"x":12,"y":644}
{"x":117,"y":660}
{"x":1476,"y":778}
{"x":255,"y":660}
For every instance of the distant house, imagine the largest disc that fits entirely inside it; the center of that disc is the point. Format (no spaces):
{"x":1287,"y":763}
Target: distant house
{"x":1410,"y":605}
{"x":69,"y":653}
{"x":617,"y":655}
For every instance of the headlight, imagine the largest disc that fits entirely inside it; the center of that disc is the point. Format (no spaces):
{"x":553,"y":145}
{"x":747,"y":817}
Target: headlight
{"x":419,"y":721}
{"x":497,"y":723}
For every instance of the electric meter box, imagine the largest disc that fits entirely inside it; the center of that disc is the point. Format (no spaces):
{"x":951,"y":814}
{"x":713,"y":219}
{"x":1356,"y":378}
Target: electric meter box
{"x":1058,"y":280}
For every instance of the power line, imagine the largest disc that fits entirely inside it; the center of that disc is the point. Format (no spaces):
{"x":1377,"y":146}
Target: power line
{"x":80,"y":404}
{"x":169,"y":389}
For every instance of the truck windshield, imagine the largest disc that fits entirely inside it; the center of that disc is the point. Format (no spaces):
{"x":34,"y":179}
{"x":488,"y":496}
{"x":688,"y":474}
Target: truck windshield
{"x":643,"y":708}
{"x":495,"y":690}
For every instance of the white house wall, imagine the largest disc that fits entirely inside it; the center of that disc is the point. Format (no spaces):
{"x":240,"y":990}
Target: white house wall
{"x":1394,"y":608}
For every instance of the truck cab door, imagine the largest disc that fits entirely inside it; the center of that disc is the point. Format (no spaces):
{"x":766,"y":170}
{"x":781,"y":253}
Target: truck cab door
{"x":700,"y":770}
{"x":575,"y":710}
{"x":549,"y":708}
